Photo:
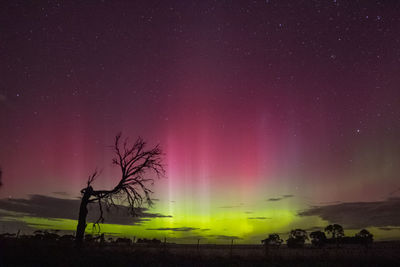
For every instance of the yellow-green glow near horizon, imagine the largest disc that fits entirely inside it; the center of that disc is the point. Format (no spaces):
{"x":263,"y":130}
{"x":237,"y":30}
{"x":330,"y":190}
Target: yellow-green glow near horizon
{"x":190,"y":220}
{"x":218,"y":231}
{"x":248,"y":228}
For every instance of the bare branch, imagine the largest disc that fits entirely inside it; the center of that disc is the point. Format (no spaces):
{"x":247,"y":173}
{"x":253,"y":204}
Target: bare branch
{"x":138,"y":168}
{"x":92,"y":177}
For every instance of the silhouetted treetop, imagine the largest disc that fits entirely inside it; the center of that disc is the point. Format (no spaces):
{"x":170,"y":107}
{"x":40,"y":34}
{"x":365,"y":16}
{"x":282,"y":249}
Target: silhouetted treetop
{"x":318,"y":238}
{"x":297,"y":238}
{"x":136,"y":164}
{"x":336,"y":230}
{"x":273,"y":240}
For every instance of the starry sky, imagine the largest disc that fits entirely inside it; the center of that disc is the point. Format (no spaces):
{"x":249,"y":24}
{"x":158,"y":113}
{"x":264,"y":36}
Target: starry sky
{"x":272,"y":114}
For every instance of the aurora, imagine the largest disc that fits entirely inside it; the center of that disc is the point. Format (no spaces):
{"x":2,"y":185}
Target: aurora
{"x":269,"y":122}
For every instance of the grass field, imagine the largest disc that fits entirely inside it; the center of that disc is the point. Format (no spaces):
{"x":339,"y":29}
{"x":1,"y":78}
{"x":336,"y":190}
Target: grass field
{"x":16,"y":252}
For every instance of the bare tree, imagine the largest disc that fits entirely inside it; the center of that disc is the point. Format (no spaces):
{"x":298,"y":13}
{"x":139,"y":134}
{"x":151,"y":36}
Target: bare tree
{"x":136,"y":164}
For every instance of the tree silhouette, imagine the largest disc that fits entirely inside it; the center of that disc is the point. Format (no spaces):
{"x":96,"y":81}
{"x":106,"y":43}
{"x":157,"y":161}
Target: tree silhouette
{"x":365,"y":237}
{"x":318,"y":238}
{"x":336,"y":230}
{"x":273,"y":240}
{"x":297,"y":238}
{"x":135,"y":163}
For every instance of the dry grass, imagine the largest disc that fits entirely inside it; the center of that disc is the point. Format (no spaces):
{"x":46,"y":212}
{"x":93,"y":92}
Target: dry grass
{"x":41,"y":253}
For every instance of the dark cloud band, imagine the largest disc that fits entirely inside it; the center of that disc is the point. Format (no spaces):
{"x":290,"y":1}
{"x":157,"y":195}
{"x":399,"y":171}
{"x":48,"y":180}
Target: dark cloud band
{"x":53,"y":207}
{"x":360,"y":214}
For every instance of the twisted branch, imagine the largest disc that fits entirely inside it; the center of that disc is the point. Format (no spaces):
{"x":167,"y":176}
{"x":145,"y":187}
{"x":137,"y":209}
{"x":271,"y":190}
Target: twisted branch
{"x":135,"y":163}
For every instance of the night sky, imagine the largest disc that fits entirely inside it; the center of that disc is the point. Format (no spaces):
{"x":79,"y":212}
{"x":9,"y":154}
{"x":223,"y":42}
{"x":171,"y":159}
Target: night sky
{"x":273,"y":114}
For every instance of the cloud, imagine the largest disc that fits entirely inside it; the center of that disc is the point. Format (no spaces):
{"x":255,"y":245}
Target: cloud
{"x":329,"y":202}
{"x":232,"y":206}
{"x":13,"y":226}
{"x":357,"y":215}
{"x":144,"y":214}
{"x":275,"y":199}
{"x":389,"y":228}
{"x":176,"y":229}
{"x":53,"y":207}
{"x":61,"y":193}
{"x":280,"y":198}
{"x":258,"y":218}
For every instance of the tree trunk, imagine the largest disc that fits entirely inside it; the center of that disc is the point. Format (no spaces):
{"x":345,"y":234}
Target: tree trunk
{"x":83,"y":211}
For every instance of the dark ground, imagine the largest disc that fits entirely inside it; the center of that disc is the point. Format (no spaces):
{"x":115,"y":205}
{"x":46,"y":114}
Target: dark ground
{"x":43,"y":253}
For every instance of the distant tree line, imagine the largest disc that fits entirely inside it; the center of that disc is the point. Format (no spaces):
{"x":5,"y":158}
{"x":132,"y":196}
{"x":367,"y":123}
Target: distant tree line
{"x":298,"y":237}
{"x":53,"y":236}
